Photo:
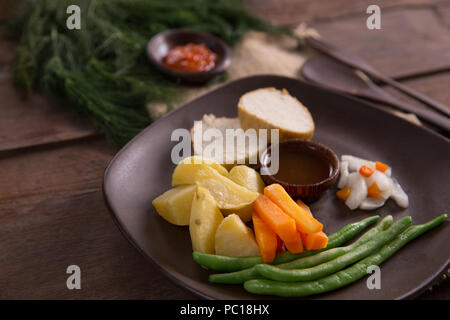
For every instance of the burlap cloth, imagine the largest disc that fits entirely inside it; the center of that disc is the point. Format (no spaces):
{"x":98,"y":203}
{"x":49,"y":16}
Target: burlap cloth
{"x":260,"y":53}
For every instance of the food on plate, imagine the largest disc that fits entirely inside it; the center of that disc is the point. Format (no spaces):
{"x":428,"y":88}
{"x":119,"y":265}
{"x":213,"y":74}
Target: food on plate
{"x":230,"y":197}
{"x":373,"y":191}
{"x":202,"y":144}
{"x":368,"y":184}
{"x":231,"y":264}
{"x":266,"y":239}
{"x":343,"y":277}
{"x":306,"y":169}
{"x":203,"y":195}
{"x":271,"y":223}
{"x":204,"y":220}
{"x":247,"y":177}
{"x":399,"y":195}
{"x":343,"y":193}
{"x":287,"y":253}
{"x":185,"y":170}
{"x":314,"y":241}
{"x":335,"y":252}
{"x":305,"y":222}
{"x":302,"y":165}
{"x":277,"y":220}
{"x":380,"y":166}
{"x":280,"y":245}
{"x":355,"y":163}
{"x":266,"y":108}
{"x":233,"y":238}
{"x":174,"y":205}
{"x":303,"y":206}
{"x":324,"y":269}
{"x":358,"y":190}
{"x":191,"y":57}
{"x":269,"y":108}
{"x":307,"y":259}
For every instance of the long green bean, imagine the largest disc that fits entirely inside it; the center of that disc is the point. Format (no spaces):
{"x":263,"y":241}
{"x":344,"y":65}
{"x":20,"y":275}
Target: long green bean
{"x":331,"y":254}
{"x":324,"y":269}
{"x":343,"y":277}
{"x":229,"y":264}
{"x":306,"y":262}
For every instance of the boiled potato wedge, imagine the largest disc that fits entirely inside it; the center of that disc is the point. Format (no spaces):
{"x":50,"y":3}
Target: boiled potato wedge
{"x":204,"y":220}
{"x":248,"y":178}
{"x":185,"y":171}
{"x":227,"y":193}
{"x":174,"y":205}
{"x":235,"y":239}
{"x":230,"y":196}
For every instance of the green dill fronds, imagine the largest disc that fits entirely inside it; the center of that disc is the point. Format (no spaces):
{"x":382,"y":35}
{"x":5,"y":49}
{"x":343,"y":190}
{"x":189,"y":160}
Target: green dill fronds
{"x":102,"y":71}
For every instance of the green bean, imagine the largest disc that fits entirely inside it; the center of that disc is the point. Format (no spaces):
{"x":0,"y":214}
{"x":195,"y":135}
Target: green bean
{"x":237,"y":277}
{"x":343,"y":277}
{"x":324,"y":269}
{"x":228,"y":264}
{"x":336,"y":239}
{"x":306,"y":262}
{"x":331,"y":254}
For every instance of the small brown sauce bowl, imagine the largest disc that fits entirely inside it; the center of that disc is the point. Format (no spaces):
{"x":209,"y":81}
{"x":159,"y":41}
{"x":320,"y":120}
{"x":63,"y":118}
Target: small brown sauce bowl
{"x":160,"y":44}
{"x":316,"y":153}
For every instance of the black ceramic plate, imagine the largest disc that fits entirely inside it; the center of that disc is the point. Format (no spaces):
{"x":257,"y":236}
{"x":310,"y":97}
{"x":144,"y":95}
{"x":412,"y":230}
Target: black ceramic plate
{"x":420,"y":159}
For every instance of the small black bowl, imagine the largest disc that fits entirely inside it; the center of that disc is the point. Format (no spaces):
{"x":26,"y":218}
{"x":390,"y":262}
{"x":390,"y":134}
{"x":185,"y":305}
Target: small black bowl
{"x":161,"y":43}
{"x":306,"y":192}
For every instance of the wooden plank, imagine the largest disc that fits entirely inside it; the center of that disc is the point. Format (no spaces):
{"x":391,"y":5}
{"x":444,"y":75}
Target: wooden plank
{"x":32,"y":120}
{"x":411,"y":41}
{"x":292,"y":12}
{"x":443,"y":13}
{"x":29,"y":120}
{"x":52,"y":215}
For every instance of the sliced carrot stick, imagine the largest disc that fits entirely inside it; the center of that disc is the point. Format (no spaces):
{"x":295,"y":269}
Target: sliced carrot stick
{"x":305,"y":222}
{"x":304,"y":206}
{"x":313,"y":241}
{"x":380,"y":166}
{"x":295,"y":245}
{"x":374,"y":191}
{"x":303,"y":236}
{"x":277,"y":220}
{"x":267,"y":239}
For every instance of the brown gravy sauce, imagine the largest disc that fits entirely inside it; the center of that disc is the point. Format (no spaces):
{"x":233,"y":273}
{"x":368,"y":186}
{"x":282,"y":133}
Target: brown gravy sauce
{"x":302,"y":165}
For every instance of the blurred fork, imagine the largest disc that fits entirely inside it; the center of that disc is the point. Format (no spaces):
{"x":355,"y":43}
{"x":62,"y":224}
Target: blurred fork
{"x":359,"y":64}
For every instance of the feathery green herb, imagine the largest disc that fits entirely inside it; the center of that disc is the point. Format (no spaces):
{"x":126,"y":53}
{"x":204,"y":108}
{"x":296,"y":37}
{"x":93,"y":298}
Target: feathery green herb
{"x":102,"y":71}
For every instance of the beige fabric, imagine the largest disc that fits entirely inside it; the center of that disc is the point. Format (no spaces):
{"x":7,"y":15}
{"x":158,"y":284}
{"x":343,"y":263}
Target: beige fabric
{"x":258,"y":53}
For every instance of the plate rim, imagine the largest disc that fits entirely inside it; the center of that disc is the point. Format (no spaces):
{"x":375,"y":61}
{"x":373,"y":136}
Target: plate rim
{"x":408,"y":295}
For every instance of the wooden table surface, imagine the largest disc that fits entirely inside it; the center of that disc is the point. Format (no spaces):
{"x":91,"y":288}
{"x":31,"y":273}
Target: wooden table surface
{"x":52,"y":213}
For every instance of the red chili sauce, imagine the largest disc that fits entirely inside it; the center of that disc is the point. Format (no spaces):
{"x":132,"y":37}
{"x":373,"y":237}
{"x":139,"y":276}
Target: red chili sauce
{"x":191,"y":57}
